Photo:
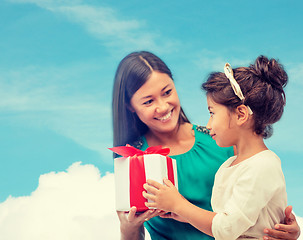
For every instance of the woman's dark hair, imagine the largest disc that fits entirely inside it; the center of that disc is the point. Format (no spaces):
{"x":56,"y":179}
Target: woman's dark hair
{"x":133,"y":71}
{"x":262,"y":85}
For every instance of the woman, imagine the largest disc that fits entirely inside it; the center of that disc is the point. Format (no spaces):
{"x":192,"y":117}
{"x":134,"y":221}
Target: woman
{"x":147,"y":112}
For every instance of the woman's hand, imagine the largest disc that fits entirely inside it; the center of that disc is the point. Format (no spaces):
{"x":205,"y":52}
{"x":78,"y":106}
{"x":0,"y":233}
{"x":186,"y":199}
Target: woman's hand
{"x":131,"y":224}
{"x":288,"y":231}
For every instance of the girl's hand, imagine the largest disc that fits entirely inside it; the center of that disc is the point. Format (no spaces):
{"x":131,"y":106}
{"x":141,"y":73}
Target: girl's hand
{"x":288,"y":231}
{"x":164,"y":196}
{"x":131,"y":224}
{"x":173,"y":216}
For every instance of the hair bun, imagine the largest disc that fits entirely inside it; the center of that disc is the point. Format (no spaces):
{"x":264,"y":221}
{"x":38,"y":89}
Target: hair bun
{"x":270,"y":71}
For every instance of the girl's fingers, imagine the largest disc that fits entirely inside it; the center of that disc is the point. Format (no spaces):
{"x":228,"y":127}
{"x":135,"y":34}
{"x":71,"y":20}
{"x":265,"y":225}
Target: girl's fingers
{"x":149,"y":188}
{"x":148,"y":196}
{"x":154,"y":183}
{"x":151,"y":204}
{"x":168,"y":215}
{"x":168,"y":182}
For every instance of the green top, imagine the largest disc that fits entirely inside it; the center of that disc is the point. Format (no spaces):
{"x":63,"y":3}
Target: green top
{"x":196,"y":171}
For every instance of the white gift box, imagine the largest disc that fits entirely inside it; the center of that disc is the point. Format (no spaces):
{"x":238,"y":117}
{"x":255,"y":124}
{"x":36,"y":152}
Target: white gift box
{"x":132,"y":172}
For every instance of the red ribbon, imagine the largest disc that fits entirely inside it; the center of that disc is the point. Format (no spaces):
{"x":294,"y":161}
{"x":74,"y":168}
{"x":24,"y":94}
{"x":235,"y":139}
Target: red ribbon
{"x":129,"y":151}
{"x":137,"y":171}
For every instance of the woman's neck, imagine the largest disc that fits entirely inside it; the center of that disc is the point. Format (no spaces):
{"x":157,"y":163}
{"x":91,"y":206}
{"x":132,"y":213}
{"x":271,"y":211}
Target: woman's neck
{"x":179,"y":141}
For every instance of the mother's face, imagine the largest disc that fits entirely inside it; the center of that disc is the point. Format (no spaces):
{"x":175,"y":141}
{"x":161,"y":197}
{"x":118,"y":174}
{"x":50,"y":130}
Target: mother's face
{"x":157,"y":104}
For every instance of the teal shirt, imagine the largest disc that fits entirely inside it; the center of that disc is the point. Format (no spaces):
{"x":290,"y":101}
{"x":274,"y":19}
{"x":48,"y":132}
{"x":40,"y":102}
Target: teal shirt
{"x":196,"y":171}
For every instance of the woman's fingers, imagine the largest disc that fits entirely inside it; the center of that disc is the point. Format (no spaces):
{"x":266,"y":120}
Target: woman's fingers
{"x":131,"y":214}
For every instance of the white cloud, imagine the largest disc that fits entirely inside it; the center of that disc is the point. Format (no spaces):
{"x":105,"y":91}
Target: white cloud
{"x":77,"y":204}
{"x":45,"y":98}
{"x":295,"y":72}
{"x":108,"y":25}
{"x":209,"y":61}
{"x":288,"y":131}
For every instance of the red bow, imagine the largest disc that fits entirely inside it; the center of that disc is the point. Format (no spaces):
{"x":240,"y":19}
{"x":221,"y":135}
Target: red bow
{"x":129,"y":151}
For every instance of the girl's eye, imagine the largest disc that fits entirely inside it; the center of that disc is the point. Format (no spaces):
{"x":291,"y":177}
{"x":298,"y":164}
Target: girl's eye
{"x":167,"y":92}
{"x":211,"y":114}
{"x":148,"y":102}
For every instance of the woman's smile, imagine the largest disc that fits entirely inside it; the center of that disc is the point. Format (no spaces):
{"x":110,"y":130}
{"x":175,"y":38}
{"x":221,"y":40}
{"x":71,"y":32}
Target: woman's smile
{"x":166,"y":117}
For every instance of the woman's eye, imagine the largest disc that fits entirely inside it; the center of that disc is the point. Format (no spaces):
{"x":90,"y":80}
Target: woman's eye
{"x":211,"y":114}
{"x":167,"y":92}
{"x":148,"y":102}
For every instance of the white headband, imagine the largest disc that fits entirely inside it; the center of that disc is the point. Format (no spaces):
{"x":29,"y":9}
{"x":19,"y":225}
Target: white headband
{"x":235,"y":86}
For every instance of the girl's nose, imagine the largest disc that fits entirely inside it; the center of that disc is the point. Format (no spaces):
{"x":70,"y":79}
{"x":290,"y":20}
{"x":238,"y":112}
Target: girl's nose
{"x":208,"y":125}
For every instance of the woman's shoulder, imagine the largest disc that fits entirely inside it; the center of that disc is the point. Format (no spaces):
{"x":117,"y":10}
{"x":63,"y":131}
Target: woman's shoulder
{"x":200,"y":129}
{"x":205,"y":141}
{"x":201,"y":133}
{"x":137,"y":143}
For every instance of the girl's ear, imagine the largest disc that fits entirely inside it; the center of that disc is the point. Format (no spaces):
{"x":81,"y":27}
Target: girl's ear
{"x":242,"y":114}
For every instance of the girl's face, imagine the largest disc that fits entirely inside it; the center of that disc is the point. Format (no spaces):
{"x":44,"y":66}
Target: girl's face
{"x":157,"y":104}
{"x":221,"y":124}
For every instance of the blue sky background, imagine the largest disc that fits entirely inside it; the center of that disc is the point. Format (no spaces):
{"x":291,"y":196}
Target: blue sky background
{"x":58,"y":59}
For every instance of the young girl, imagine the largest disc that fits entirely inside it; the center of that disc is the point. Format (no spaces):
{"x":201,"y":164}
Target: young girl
{"x":147,"y":112}
{"x":249,"y":191}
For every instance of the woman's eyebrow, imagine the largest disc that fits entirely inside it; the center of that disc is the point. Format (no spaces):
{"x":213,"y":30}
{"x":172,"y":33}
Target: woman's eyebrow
{"x":165,"y":87}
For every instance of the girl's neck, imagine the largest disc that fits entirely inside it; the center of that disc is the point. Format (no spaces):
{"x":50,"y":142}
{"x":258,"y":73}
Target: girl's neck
{"x":249,"y":146}
{"x":179,"y":141}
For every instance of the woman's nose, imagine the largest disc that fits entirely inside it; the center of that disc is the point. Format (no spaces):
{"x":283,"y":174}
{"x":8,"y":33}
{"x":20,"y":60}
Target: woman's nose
{"x":162,"y":106}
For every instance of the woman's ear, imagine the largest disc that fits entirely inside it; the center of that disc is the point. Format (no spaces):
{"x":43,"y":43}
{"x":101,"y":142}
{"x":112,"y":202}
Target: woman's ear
{"x":130,"y":108}
{"x":242,"y":114}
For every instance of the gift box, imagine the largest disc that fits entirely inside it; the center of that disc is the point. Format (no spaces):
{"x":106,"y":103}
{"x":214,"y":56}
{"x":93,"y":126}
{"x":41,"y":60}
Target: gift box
{"x":134,"y":168}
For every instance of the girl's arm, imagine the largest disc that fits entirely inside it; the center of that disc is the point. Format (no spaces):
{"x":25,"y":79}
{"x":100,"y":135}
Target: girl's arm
{"x":167,"y":198}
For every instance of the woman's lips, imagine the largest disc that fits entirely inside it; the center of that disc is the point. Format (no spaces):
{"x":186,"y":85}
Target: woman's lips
{"x":165,"y":117}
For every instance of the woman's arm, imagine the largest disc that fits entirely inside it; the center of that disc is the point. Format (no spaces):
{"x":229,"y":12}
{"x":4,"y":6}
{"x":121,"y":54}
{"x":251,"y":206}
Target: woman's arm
{"x":288,"y":231}
{"x":131,"y":224}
